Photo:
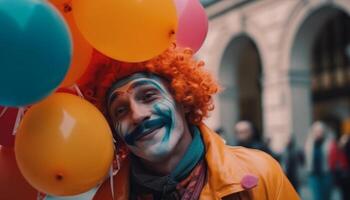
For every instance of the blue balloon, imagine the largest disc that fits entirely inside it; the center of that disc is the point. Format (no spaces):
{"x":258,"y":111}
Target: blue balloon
{"x":35,"y":51}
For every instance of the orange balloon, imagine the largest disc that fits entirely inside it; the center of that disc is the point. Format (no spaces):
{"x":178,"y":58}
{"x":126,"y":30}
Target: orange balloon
{"x":12,"y":183}
{"x":127,"y":30}
{"x":82,"y":50}
{"x":64,"y":145}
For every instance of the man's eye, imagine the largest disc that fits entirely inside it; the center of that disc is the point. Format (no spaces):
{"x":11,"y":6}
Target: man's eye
{"x":120,"y":111}
{"x":149,"y":96}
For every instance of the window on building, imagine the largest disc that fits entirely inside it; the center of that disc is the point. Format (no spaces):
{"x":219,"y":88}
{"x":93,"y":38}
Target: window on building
{"x":331,"y":72}
{"x":331,"y":62}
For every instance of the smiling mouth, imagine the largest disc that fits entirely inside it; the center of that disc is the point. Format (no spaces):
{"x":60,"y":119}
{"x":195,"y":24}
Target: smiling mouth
{"x":145,"y":129}
{"x":148,"y":132}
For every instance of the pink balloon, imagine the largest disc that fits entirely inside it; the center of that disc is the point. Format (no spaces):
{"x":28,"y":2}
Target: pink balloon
{"x":7,"y":123}
{"x":193,"y":24}
{"x":180,"y":6}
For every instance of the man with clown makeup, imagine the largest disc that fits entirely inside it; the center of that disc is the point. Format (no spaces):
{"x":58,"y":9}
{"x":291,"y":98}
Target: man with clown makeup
{"x":156,"y":110}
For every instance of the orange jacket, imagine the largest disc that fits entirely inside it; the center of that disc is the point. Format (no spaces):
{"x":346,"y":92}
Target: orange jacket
{"x":234,"y":173}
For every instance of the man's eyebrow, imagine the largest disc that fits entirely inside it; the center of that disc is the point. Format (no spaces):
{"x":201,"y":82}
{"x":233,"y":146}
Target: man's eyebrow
{"x":114,"y":96}
{"x":141,"y":83}
{"x":134,"y":85}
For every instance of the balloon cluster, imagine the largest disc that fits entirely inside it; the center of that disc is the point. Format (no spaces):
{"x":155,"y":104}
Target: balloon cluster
{"x":62,"y":143}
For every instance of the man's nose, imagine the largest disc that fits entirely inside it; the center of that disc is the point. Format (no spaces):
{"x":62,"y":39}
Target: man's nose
{"x":139,"y":112}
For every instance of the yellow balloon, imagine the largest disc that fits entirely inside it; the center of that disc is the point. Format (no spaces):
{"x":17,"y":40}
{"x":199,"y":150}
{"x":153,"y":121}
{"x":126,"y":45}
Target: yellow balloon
{"x":127,"y":30}
{"x":64,"y":145}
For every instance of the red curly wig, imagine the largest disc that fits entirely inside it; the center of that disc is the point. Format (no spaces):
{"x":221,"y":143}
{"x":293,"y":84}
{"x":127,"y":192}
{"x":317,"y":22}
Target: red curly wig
{"x":191,"y":85}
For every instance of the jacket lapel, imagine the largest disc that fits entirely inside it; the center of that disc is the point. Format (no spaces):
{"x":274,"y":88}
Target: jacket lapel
{"x":225,"y":172}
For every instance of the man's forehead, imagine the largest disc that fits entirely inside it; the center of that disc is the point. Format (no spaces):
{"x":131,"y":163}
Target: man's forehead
{"x":136,"y":80}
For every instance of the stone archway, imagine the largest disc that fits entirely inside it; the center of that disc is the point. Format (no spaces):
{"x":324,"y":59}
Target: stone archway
{"x":304,"y":69}
{"x":240,"y":75}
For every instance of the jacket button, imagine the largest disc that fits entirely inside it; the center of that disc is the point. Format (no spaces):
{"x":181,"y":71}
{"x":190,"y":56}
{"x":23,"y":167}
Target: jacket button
{"x":249,"y":181}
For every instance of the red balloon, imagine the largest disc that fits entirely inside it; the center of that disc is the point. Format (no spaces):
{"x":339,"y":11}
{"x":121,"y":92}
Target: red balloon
{"x":7,"y":123}
{"x":12,"y":184}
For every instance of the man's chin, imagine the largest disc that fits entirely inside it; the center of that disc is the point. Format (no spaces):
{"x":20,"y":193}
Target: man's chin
{"x":153,"y":152}
{"x":154,"y":156}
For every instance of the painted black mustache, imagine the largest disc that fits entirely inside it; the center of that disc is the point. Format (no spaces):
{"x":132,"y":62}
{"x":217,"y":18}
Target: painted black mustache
{"x":145,"y":128}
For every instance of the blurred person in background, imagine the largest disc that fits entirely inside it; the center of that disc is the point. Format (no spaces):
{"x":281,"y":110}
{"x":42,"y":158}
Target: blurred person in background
{"x":345,"y":139}
{"x":291,"y":160}
{"x":317,"y":150}
{"x":339,"y":167}
{"x":344,"y":168}
{"x":247,"y":136}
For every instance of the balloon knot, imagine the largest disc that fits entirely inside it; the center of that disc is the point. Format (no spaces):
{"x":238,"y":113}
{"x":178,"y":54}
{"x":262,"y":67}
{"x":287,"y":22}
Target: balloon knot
{"x":67,"y":7}
{"x":172,"y":32}
{"x":59,"y":177}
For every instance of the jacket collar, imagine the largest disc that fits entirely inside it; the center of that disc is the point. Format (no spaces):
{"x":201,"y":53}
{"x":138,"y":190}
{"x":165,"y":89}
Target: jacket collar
{"x":225,"y":172}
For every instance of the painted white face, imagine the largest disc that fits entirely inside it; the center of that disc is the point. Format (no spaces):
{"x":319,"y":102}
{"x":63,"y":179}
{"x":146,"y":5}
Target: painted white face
{"x":146,"y":116}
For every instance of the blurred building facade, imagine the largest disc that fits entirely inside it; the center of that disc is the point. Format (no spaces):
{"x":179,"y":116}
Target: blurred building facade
{"x":282,"y":63}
